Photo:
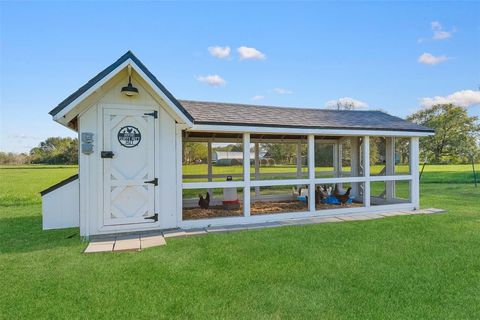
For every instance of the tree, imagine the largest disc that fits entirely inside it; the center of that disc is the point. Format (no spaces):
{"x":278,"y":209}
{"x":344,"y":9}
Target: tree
{"x":13,"y":158}
{"x":344,"y":105}
{"x":456,"y":133}
{"x":55,"y":150}
{"x":283,"y":153}
{"x":194,"y":151}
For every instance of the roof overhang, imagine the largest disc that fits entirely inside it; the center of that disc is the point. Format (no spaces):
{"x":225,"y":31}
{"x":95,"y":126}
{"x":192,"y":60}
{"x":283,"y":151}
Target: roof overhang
{"x":306,"y":131}
{"x":66,"y":107}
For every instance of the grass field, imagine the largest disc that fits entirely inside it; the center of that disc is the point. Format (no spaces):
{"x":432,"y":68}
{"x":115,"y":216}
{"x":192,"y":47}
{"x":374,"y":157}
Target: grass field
{"x":201,"y":169}
{"x":405,"y":267}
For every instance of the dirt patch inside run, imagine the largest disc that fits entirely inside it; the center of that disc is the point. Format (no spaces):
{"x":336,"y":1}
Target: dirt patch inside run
{"x":257,"y":208}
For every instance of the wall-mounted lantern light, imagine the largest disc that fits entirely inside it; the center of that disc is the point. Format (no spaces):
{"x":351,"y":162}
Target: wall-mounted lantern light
{"x":129,"y":90}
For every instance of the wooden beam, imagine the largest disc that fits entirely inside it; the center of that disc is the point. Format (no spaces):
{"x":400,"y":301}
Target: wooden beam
{"x":366,"y":170}
{"x":246,"y":174}
{"x":414,"y":162}
{"x":209,"y":166}
{"x":257,"y":167}
{"x":179,"y":167}
{"x":311,"y":172}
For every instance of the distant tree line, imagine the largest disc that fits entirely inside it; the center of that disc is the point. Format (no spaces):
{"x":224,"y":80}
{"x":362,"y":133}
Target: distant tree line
{"x":54,"y":150}
{"x":13,"y":158}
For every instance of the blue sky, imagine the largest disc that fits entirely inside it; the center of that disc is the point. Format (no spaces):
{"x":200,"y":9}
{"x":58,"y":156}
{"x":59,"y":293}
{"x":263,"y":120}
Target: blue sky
{"x":382,"y":55}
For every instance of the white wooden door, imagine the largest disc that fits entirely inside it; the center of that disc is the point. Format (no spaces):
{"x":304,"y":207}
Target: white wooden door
{"x":129,"y":166}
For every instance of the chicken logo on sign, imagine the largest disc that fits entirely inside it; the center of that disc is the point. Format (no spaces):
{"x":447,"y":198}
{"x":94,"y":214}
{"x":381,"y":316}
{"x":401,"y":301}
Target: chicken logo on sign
{"x":129,"y":136}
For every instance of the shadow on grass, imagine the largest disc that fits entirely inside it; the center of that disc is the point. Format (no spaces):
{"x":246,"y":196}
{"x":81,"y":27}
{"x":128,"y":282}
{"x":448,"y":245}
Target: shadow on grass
{"x":25,"y":234}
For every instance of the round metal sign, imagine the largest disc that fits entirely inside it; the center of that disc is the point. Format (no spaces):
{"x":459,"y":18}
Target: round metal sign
{"x":129,"y":136}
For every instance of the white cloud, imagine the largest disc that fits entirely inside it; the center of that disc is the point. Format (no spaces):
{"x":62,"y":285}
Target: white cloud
{"x":430,"y":59}
{"x":282,"y":91}
{"x":250,"y":53}
{"x":357,"y":104}
{"x":213,"y":80}
{"x":439,"y":33}
{"x":219,"y":52}
{"x":258,"y":97}
{"x":464,"y":98}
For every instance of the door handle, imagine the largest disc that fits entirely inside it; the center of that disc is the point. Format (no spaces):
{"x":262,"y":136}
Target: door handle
{"x":106,"y":154}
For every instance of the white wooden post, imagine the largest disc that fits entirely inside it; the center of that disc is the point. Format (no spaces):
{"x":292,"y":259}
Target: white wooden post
{"x":366,"y":170}
{"x":209,"y":166}
{"x":390,"y":166}
{"x":311,"y":173}
{"x":179,"y":167}
{"x":340,"y":159}
{"x":355,"y":159}
{"x":246,"y":174}
{"x":257,"y":167}
{"x":414,"y":162}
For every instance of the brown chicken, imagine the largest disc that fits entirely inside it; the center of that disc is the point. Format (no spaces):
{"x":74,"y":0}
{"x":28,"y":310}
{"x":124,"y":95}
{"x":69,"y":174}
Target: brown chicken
{"x":343,"y":198}
{"x":204,"y":203}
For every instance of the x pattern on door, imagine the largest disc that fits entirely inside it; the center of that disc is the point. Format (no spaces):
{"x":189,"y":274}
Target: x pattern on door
{"x":128,"y":198}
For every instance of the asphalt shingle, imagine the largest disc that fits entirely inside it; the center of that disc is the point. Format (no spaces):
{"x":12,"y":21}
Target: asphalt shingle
{"x":270,"y":116}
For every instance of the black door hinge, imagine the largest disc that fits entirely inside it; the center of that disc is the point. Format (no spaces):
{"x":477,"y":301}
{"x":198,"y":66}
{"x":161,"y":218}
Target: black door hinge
{"x":154,"y":217}
{"x":153,"y":114}
{"x":154,"y":182}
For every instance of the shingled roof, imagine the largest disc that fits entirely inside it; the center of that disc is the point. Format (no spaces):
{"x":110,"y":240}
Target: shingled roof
{"x":214,"y":113}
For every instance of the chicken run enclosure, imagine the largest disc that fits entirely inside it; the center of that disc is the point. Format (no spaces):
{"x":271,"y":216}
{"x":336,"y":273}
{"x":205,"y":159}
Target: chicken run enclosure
{"x":274,"y":174}
{"x":148,"y":161}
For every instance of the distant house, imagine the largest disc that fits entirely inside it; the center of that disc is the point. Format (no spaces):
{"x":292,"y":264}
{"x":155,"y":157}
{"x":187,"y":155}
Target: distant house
{"x":221,"y":155}
{"x":231,"y":158}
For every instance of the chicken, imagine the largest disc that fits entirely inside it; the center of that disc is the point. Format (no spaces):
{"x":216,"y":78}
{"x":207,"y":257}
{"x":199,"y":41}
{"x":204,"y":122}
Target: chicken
{"x":204,"y":203}
{"x":328,"y":190}
{"x":343,"y":198}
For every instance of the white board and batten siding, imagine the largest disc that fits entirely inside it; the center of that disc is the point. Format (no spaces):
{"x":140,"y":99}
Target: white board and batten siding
{"x":60,"y":206}
{"x":92,"y":166}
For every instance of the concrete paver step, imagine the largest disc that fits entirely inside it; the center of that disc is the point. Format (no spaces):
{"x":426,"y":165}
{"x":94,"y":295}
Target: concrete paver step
{"x":139,"y":241}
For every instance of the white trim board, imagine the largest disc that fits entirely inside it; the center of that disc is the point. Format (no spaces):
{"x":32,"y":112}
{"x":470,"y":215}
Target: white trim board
{"x":305,"y":131}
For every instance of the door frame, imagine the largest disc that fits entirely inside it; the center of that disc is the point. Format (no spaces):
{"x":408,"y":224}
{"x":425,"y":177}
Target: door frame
{"x":148,"y":155}
{"x":102,"y":228}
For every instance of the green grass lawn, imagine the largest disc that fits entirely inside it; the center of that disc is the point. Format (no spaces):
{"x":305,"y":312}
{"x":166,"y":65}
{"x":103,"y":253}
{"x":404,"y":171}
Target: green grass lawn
{"x":202,"y":169}
{"x":405,"y":267}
